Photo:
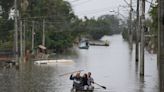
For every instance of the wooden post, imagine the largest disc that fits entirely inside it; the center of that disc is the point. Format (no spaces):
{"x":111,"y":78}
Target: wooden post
{"x":43,"y":37}
{"x":21,"y":41}
{"x":33,"y":28}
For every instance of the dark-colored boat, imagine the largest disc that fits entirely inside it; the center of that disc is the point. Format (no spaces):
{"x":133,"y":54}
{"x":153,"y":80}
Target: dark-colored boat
{"x":99,"y":44}
{"x":84,"y":45}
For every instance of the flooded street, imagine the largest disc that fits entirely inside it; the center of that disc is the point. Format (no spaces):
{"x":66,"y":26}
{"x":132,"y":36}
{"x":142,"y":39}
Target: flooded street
{"x":113,"y":67}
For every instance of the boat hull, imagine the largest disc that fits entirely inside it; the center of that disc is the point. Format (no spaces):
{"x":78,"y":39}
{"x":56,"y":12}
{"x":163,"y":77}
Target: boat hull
{"x":77,"y":90}
{"x":96,"y":44}
{"x":53,"y":61}
{"x":85,"y":47}
{"x":82,"y":90}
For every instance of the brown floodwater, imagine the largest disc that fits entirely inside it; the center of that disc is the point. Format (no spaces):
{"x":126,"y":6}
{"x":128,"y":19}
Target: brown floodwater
{"x":113,"y":67}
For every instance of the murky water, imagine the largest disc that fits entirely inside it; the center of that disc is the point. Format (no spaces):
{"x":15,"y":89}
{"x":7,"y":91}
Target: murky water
{"x":113,"y":67}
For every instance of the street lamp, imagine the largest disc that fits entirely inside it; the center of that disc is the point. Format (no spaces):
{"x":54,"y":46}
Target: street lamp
{"x":118,"y":13}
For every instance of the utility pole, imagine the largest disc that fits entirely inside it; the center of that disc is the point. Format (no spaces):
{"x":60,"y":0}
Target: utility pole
{"x":33,"y":28}
{"x":21,"y":41}
{"x":43,"y":37}
{"x":137,"y":32}
{"x":142,"y":39}
{"x":161,"y":43}
{"x":130,"y":26}
{"x":16,"y":33}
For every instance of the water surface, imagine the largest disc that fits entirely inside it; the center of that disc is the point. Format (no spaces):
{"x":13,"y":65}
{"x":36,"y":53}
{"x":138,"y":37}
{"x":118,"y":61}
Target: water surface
{"x":113,"y":67}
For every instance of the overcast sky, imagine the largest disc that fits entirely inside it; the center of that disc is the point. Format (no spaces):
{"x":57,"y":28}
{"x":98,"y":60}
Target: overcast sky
{"x":97,"y":8}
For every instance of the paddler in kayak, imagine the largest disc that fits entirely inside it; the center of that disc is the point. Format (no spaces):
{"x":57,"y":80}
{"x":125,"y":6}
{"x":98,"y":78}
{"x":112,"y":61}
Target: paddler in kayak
{"x":85,"y":81}
{"x":90,"y":81}
{"x":77,"y":81}
{"x":81,"y":83}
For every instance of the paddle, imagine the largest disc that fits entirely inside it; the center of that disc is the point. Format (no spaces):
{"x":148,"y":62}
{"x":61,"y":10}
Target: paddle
{"x":70,"y":73}
{"x":100,"y":85}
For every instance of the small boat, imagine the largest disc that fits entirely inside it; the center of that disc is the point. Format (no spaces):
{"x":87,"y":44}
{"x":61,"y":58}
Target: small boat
{"x":84,"y":45}
{"x":88,"y":90}
{"x":99,"y":44}
{"x":53,"y":61}
{"x":83,"y":89}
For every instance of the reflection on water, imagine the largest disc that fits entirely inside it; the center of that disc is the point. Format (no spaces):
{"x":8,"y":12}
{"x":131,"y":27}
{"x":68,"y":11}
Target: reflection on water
{"x":113,"y":67}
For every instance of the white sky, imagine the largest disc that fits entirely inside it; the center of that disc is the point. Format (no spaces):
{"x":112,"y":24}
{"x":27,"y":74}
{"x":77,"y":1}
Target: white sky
{"x":96,"y":8}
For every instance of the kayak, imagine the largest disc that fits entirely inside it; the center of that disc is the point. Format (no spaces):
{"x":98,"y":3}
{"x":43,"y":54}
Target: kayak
{"x":82,"y":90}
{"x":78,"y":90}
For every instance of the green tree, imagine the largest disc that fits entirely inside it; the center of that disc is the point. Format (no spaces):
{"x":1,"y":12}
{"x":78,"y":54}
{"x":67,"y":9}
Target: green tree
{"x":59,"y":21}
{"x":6,"y":26}
{"x":104,"y":25}
{"x":154,"y":16}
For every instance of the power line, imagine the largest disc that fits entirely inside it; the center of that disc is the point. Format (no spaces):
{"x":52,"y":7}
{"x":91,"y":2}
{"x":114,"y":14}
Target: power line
{"x":90,"y":12}
{"x":95,"y":10}
{"x":81,"y":3}
{"x":151,"y":4}
{"x":127,"y":3}
{"x":74,"y":1}
{"x":94,"y":13}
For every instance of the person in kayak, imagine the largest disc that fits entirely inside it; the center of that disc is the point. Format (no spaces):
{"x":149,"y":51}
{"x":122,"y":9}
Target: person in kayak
{"x":85,"y":81}
{"x":90,"y":81}
{"x":77,"y":81}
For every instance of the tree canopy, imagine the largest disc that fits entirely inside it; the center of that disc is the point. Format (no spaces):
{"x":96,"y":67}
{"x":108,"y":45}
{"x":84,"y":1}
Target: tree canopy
{"x":62,"y":26}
